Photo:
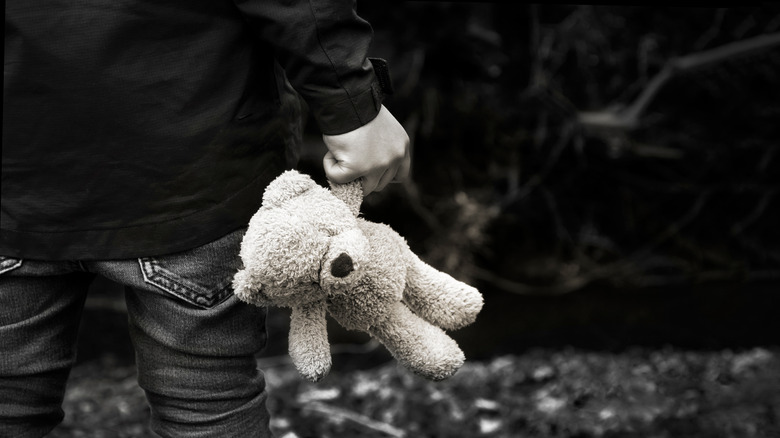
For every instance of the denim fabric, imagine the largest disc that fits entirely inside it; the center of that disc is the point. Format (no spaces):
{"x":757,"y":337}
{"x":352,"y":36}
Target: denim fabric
{"x":195,"y":342}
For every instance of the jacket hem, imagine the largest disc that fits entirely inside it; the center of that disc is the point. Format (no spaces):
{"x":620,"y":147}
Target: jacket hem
{"x":154,"y":239}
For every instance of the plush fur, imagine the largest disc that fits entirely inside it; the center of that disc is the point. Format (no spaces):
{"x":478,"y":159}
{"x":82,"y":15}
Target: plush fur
{"x":307,"y":249}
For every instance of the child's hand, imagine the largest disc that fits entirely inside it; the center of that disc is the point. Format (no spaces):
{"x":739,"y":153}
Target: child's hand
{"x":377,"y":151}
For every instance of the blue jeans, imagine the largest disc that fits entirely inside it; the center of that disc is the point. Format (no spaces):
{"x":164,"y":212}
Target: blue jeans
{"x":195,"y":342}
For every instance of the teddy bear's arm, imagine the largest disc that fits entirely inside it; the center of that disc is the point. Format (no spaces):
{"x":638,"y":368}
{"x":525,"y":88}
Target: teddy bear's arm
{"x":308,"y":344}
{"x":350,"y":193}
{"x":439,"y":298}
{"x":247,"y":289}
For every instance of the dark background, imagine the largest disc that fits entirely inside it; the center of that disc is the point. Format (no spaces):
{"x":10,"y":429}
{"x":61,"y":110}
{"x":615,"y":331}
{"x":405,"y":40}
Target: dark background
{"x":608,"y":177}
{"x":661,"y":231}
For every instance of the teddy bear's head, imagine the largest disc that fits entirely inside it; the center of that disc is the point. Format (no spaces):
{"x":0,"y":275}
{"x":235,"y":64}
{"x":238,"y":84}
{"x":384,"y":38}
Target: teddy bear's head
{"x":302,"y":245}
{"x":306,"y":249}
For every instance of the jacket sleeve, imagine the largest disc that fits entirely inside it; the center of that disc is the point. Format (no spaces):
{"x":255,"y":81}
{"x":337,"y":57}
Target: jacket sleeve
{"x":322,"y":46}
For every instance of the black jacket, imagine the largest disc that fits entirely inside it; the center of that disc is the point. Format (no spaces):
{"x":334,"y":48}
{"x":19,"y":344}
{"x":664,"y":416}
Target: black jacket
{"x":141,"y":127}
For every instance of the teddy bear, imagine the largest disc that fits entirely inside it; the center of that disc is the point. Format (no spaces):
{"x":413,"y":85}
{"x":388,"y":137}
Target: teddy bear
{"x":306,"y":248}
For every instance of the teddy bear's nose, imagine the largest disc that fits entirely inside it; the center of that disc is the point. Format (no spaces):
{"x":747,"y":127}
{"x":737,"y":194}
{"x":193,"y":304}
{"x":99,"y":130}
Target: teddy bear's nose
{"x":342,"y":266}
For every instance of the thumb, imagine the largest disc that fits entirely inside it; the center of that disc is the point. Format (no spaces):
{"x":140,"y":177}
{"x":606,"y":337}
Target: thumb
{"x":336,"y":171}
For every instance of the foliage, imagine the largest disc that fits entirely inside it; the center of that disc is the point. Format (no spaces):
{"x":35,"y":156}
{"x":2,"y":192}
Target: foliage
{"x":544,"y":394}
{"x":566,"y":393}
{"x":518,"y":181}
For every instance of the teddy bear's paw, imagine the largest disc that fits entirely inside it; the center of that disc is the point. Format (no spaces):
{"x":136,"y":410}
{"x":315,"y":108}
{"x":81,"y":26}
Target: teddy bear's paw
{"x":467,"y":303}
{"x":313,"y":367}
{"x":247,"y":290}
{"x":308,"y":343}
{"x":440,"y":299}
{"x":441,"y":364}
{"x":314,"y":372}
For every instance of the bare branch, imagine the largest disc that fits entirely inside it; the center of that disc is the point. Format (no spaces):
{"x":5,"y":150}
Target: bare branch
{"x":773,"y":25}
{"x":625,"y":269}
{"x":704,"y":277}
{"x":713,"y":31}
{"x":746,"y":47}
{"x":673,"y":228}
{"x":701,"y":253}
{"x":627,"y":276}
{"x":538,"y":178}
{"x":740,"y":226}
{"x":627,"y":119}
{"x":569,"y":285}
{"x":345,"y":414}
{"x":757,"y":248}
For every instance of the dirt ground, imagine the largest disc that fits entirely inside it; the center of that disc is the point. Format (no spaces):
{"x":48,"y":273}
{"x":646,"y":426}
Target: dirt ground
{"x":541,"y":393}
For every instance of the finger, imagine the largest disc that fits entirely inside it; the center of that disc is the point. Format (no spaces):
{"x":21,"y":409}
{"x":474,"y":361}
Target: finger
{"x":335,"y":170}
{"x":388,"y":176}
{"x":369,"y":183}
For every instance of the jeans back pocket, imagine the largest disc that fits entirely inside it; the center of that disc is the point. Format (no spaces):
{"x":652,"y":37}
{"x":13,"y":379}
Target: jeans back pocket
{"x":9,"y":264}
{"x":201,"y":276}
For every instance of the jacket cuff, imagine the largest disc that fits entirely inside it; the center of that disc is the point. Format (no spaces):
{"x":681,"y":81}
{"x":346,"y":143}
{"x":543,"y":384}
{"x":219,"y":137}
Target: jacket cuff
{"x":355,"y":111}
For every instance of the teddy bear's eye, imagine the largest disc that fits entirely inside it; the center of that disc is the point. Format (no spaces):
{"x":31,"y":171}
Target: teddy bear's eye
{"x":342,"y":266}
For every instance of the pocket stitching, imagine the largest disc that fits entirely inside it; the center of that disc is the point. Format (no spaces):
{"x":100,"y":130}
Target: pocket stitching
{"x":6,"y":267}
{"x":160,"y":277}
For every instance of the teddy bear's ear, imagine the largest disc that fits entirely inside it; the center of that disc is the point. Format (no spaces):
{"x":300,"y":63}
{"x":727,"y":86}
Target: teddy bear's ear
{"x":351,"y":193}
{"x":286,"y":186}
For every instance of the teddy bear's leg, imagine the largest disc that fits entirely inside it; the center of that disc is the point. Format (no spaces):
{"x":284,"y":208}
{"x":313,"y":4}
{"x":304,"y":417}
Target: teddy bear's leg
{"x":308,"y":345}
{"x":439,"y":298}
{"x":418,"y":345}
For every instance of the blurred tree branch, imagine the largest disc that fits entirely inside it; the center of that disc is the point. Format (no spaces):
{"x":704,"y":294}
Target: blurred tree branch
{"x":627,"y":118}
{"x":334,"y":413}
{"x":515,"y":191}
